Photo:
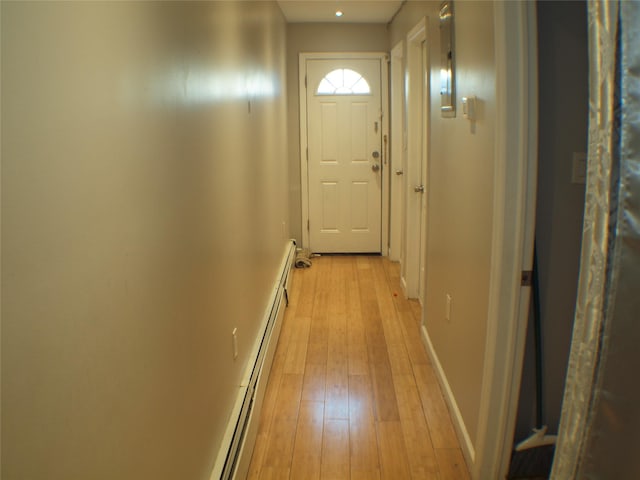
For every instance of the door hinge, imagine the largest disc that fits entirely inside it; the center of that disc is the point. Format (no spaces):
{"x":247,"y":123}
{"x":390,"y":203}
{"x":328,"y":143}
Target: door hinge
{"x":307,"y":154}
{"x":305,"y":81}
{"x":526,"y":278}
{"x":308,"y":225}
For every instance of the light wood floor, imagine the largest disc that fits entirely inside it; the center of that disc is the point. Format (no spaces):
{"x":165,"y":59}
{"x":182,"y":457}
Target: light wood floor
{"x":352,"y":394}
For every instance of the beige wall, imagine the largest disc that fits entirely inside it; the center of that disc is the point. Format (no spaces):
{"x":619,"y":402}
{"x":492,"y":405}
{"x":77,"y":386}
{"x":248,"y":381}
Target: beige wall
{"x":144,"y":181}
{"x":460,"y":199}
{"x":309,"y":37}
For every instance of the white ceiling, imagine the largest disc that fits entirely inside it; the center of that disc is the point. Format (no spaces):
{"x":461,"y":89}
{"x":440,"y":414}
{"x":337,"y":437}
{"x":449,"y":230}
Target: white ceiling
{"x":355,"y":11}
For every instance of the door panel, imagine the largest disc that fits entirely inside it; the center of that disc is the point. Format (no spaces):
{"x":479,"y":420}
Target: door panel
{"x":329,"y":133}
{"x":344,"y":173}
{"x":359,"y":206}
{"x":330,"y":207}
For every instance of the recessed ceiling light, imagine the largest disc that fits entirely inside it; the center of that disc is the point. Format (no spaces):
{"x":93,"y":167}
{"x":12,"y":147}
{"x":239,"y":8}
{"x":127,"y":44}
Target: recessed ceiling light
{"x":339,"y":13}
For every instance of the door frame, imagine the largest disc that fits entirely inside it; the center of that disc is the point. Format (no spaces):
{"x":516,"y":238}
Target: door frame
{"x":304,"y":142}
{"x":515,"y":181}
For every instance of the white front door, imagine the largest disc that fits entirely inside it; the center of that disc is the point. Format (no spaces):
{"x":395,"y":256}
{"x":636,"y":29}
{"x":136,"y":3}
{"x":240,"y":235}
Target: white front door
{"x":344,"y":174}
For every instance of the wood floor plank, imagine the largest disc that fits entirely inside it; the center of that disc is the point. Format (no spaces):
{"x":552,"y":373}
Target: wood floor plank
{"x":308,"y":285}
{"x":425,"y":374}
{"x":357,"y":358}
{"x":296,"y":357}
{"x":257,"y":457}
{"x":314,"y":384}
{"x":335,"y":450}
{"x":318,"y":340}
{"x":420,"y":451}
{"x":271,"y":393}
{"x":293,"y":291}
{"x":416,"y":350}
{"x":337,"y":340}
{"x":337,"y":392}
{"x":392,"y":327}
{"x":416,"y":309}
{"x":451,"y":464}
{"x":384,"y":394}
{"x":295,"y":328}
{"x":307,"y":452}
{"x":355,"y":328}
{"x":357,"y":474}
{"x":352,"y":291}
{"x":285,"y":335}
{"x":412,"y":334}
{"x":362,"y":264}
{"x":288,"y":399}
{"x":280,"y":445}
{"x":392,"y":269}
{"x":274,"y":473}
{"x":317,"y":350}
{"x":337,"y":305}
{"x":391,"y":449}
{"x":438,"y":418}
{"x":321,"y":293}
{"x":362,"y":430}
{"x":399,"y":359}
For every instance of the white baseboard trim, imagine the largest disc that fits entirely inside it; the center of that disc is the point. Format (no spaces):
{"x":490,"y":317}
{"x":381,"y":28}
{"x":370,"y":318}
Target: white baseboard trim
{"x":458,"y":423}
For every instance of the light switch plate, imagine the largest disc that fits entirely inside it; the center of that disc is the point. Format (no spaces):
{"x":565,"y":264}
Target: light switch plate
{"x":469,"y":107}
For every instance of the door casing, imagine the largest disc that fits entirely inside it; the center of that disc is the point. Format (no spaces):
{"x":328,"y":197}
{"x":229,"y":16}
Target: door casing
{"x":515,"y":40}
{"x":304,"y":143}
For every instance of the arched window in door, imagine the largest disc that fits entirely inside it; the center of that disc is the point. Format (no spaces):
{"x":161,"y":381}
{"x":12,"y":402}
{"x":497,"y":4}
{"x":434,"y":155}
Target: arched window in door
{"x":343,"y":81}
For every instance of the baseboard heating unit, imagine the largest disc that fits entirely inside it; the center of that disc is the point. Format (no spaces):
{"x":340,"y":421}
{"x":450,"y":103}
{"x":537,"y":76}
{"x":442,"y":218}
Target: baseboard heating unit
{"x":234,"y":456}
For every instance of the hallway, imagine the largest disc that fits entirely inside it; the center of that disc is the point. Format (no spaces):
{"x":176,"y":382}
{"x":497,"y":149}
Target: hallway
{"x":151,"y":185}
{"x":352,"y":393}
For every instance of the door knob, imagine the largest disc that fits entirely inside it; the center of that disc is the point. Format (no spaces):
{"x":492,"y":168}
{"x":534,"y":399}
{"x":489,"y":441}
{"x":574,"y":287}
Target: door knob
{"x":399,"y":172}
{"x":418,"y":189}
{"x":375,"y":167}
{"x":375,"y":154}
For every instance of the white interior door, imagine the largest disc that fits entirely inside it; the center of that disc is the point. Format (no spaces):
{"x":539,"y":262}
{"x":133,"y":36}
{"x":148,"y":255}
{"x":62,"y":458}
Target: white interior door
{"x":344,"y":172}
{"x":416,"y":98}
{"x":398,"y":152}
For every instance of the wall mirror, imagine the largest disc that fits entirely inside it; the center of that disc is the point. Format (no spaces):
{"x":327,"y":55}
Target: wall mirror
{"x":447,"y":71}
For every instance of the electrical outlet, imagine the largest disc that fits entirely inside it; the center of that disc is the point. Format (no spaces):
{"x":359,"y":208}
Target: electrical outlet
{"x":234,"y":337}
{"x":447,"y":311}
